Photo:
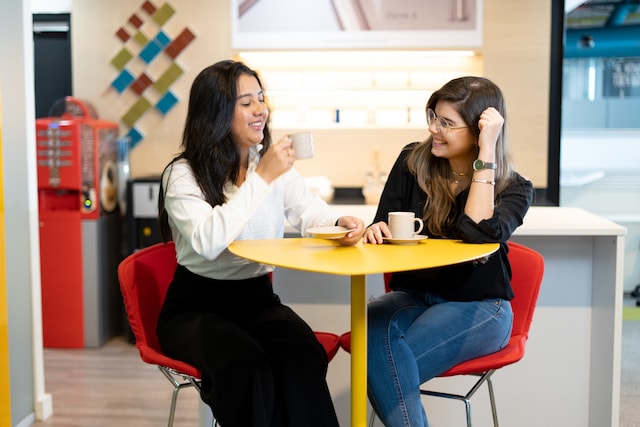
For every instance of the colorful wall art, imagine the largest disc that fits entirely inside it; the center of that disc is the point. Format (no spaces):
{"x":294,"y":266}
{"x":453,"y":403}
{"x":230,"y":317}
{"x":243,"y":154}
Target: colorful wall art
{"x":147,"y":64}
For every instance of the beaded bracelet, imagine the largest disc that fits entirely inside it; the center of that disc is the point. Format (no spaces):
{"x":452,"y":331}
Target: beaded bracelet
{"x":483,"y":181}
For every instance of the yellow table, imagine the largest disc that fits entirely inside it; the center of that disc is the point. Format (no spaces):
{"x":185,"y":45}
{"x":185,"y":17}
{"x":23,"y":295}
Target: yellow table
{"x":327,"y":256}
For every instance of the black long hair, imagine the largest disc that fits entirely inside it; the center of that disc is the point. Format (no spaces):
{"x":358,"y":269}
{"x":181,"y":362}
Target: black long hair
{"x":207,"y":144}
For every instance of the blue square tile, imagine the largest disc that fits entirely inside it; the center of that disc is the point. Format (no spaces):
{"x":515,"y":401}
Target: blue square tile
{"x":163,"y":39}
{"x":150,"y":51}
{"x":124,"y":79}
{"x":154,"y":47}
{"x":135,"y":136}
{"x":167,"y":102}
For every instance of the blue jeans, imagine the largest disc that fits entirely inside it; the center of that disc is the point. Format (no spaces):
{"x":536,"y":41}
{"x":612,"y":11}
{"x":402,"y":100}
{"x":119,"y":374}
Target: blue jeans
{"x":415,"y":336}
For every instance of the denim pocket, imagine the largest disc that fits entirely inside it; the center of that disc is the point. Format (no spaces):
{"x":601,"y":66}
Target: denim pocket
{"x":504,"y":316}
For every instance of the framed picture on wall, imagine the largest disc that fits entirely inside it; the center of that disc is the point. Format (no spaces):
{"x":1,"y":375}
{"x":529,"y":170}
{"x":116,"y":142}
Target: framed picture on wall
{"x":621,"y":78}
{"x":346,"y":24}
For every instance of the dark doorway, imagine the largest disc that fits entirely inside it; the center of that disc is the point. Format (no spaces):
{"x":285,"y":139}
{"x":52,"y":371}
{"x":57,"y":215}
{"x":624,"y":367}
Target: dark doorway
{"x":52,"y":60}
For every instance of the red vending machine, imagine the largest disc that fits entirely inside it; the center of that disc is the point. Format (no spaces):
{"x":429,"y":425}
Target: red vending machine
{"x":80,"y":229}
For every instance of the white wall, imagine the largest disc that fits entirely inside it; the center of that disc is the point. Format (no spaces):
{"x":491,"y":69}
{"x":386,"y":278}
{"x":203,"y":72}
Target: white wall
{"x":93,"y":27}
{"x":509,"y":58}
{"x":28,"y":398}
{"x":600,"y":149}
{"x":600,"y":173}
{"x":51,"y":6}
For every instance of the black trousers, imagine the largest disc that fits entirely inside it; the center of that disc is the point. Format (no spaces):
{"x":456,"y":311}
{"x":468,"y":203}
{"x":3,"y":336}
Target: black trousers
{"x":261,"y":363}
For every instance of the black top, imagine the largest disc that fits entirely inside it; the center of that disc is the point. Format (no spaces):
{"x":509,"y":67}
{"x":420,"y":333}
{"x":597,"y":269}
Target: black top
{"x":467,"y":281}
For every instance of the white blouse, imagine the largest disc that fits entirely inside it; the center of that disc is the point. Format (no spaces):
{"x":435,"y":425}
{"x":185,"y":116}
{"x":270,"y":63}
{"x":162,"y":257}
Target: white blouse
{"x":254,"y":210}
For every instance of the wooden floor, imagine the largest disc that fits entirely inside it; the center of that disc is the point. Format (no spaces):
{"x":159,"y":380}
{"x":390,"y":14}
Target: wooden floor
{"x":109,"y":387}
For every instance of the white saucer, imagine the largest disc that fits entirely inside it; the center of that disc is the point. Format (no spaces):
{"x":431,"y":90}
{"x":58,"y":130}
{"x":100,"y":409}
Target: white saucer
{"x":329,"y":232}
{"x":410,"y":241}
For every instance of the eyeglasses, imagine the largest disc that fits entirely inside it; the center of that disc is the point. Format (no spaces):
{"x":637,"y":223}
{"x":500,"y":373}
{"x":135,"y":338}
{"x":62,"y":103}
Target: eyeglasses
{"x":442,"y":125}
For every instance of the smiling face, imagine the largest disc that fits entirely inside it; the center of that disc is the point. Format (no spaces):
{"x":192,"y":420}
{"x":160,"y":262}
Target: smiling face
{"x":458,"y":145}
{"x":250,"y":113}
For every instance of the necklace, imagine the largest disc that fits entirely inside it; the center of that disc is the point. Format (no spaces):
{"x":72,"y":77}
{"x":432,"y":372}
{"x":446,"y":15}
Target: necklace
{"x":457,"y":176}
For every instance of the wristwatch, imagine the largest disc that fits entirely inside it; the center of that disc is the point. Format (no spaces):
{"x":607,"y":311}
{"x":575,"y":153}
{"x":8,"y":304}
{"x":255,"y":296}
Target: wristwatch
{"x":479,"y":165}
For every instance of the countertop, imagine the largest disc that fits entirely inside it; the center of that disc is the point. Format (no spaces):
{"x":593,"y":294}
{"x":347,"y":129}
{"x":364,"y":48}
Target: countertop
{"x":539,"y":221}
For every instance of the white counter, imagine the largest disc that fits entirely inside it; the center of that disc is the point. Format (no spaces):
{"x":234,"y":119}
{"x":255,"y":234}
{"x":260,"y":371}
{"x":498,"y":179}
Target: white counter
{"x":540,"y":220}
{"x":572,"y":364}
{"x":570,"y":375}
{"x":570,"y":221}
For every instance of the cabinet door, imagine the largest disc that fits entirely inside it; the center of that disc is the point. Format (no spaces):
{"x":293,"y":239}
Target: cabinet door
{"x":61,"y":278}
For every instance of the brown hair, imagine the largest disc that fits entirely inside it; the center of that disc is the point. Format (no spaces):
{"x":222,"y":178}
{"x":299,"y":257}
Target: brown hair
{"x":470,"y":96}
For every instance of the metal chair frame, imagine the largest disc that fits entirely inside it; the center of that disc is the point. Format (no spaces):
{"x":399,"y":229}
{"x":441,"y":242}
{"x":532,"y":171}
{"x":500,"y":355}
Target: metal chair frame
{"x":484,"y":377}
{"x":186,"y":381}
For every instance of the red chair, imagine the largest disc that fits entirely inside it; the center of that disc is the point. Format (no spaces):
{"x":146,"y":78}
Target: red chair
{"x":330,"y":342}
{"x":144,"y":279}
{"x":527,"y":270}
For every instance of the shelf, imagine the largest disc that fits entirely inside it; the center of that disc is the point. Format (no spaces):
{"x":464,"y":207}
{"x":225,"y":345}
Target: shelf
{"x":343,"y":126}
{"x":355,"y":90}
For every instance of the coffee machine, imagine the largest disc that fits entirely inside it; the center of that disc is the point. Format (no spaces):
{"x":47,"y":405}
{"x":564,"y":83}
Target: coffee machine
{"x":79,"y":226}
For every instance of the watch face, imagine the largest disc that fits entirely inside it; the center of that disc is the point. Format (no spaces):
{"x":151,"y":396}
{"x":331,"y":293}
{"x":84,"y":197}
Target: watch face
{"x":479,"y":165}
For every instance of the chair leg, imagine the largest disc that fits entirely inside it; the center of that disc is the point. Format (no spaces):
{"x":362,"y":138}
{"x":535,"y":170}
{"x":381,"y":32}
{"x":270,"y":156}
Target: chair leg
{"x":177,"y":386}
{"x":494,"y":411}
{"x":485,"y":377}
{"x":372,"y":419}
{"x":467,"y":407}
{"x":174,"y":394}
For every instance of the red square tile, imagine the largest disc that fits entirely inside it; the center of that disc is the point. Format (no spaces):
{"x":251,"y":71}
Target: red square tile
{"x":178,"y":45}
{"x":123,"y":35}
{"x":135,"y":21}
{"x":141,"y":84}
{"x":149,"y":7}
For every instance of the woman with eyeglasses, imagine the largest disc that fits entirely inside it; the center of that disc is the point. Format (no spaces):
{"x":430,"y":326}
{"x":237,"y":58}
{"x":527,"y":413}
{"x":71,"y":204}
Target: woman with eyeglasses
{"x":461,"y":182}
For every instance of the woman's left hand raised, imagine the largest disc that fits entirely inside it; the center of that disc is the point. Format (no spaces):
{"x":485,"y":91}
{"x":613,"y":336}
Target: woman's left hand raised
{"x":490,"y":125}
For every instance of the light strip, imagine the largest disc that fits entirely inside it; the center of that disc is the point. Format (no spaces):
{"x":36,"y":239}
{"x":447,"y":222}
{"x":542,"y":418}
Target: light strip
{"x":325,"y":59}
{"x":359,"y":54}
{"x":591,"y":85}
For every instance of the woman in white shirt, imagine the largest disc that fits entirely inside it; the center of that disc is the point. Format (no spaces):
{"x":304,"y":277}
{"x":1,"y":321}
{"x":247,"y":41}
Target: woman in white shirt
{"x":261,"y":363}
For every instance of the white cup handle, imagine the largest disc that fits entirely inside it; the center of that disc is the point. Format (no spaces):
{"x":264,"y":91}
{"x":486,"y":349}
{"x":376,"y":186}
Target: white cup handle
{"x":420,"y":225}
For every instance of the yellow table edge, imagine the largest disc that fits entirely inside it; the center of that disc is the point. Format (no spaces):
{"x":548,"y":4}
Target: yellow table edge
{"x":373,"y":259}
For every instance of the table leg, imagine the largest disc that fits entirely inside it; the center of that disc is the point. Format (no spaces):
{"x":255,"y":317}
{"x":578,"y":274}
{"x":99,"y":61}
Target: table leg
{"x":358,"y":351}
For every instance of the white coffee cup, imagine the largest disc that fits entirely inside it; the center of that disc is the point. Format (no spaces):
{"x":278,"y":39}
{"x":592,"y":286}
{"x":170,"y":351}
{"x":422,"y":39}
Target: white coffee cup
{"x":403,"y":225}
{"x":303,"y":144}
